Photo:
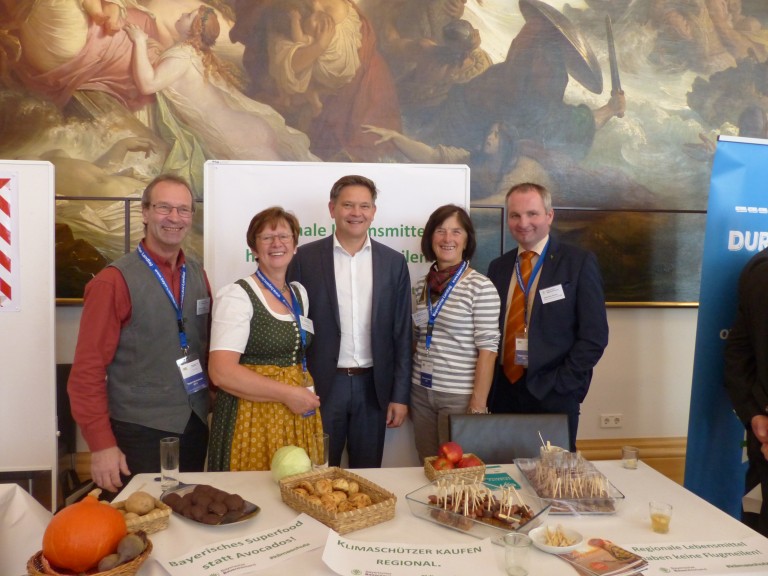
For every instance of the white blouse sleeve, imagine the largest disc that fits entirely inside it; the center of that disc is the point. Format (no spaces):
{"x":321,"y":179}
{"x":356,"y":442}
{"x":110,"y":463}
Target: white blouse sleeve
{"x":231,"y":324}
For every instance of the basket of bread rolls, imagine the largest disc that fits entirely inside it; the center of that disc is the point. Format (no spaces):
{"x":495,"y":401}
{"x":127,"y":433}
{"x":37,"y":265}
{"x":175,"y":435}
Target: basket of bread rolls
{"x":338,"y":498}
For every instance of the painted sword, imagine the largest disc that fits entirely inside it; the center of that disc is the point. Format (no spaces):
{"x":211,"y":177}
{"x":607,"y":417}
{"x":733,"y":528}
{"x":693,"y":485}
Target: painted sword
{"x":615,"y":79}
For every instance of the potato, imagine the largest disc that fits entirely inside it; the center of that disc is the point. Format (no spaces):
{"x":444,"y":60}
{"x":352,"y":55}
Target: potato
{"x":140,"y":503}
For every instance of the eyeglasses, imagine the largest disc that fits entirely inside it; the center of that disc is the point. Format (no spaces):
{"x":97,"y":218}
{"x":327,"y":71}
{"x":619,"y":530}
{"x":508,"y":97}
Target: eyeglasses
{"x":269,"y":238}
{"x":166,"y":209}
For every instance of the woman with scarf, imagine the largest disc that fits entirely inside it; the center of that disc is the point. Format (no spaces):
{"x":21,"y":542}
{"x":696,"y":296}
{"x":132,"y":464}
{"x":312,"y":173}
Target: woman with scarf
{"x":456,"y":327}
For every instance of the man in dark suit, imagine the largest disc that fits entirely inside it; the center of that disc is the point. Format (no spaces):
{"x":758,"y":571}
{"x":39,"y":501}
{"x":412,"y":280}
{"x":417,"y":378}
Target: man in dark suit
{"x":547,"y":360}
{"x":746,"y":376}
{"x":360,"y":303}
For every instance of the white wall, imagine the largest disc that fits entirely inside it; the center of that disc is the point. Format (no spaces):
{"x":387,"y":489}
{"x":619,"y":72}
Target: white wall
{"x":645,"y":375}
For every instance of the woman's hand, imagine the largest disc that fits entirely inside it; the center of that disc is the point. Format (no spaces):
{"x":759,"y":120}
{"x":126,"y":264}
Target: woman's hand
{"x":477,"y":408}
{"x":301,"y":400}
{"x":136,"y":34}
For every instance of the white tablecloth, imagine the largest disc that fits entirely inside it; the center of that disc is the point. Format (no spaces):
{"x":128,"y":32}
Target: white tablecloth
{"x":22,"y":523}
{"x":693,"y":520}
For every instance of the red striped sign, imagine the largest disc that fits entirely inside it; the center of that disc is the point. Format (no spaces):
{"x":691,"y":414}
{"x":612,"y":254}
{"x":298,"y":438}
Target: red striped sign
{"x":6,"y":261}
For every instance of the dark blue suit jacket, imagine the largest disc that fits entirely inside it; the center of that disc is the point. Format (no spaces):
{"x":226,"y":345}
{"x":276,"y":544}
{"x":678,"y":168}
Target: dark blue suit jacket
{"x":390,"y":324}
{"x":566,"y":338}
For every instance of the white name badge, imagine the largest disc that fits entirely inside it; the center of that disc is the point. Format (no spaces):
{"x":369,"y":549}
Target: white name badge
{"x":192,"y":373}
{"x":203,"y":306}
{"x":425,"y":377}
{"x":552,"y":294}
{"x":420,"y":318}
{"x":307,"y":324}
{"x":521,"y":349}
{"x":309,"y":412}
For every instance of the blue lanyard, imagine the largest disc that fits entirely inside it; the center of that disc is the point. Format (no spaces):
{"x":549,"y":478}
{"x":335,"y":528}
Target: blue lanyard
{"x":443,"y":297}
{"x":519,"y":275}
{"x":295,"y":311}
{"x":178,"y":307}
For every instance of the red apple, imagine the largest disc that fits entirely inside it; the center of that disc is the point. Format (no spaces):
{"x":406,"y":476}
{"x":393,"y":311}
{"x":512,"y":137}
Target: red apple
{"x":442,"y":463}
{"x":452,"y":451}
{"x":469,"y":462}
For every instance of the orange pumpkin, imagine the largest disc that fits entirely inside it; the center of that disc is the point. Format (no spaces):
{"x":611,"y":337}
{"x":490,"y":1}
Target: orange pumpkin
{"x":82,"y":534}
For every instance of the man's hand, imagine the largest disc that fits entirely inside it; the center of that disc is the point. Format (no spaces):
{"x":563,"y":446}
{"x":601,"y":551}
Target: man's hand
{"x":106,"y":466}
{"x":396,"y":414}
{"x":760,"y":428}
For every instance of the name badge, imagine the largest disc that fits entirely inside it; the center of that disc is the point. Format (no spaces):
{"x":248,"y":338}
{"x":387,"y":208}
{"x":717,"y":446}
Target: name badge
{"x":521,"y":349}
{"x":192,"y":373}
{"x":426,"y":374}
{"x":203,"y":306}
{"x":552,"y":294}
{"x":420,"y":318}
{"x":307,"y":324}
{"x":309,"y":412}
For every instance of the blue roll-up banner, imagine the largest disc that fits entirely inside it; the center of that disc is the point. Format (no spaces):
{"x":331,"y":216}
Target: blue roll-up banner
{"x":737,"y":228}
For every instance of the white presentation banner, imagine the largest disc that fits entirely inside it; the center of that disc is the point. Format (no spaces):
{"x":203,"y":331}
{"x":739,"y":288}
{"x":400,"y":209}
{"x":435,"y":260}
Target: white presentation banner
{"x":236,"y":191}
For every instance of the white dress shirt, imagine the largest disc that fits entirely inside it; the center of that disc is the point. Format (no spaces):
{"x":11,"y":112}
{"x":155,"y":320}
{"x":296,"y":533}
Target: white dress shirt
{"x":354,"y":291}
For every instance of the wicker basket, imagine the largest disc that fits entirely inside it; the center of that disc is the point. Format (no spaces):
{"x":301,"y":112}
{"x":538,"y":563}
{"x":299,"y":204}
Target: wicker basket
{"x":151,"y":522}
{"x":381,"y":509}
{"x":474,"y":473}
{"x":39,"y":566}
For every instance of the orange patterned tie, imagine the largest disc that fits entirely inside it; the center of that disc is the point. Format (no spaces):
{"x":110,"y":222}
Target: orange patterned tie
{"x":516,"y":319}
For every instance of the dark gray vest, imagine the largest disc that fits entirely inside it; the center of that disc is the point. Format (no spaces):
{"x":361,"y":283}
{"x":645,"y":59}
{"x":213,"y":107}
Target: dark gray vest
{"x":144,"y":385}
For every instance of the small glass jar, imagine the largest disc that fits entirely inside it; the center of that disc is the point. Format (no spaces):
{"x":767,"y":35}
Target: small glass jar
{"x":629,"y":457}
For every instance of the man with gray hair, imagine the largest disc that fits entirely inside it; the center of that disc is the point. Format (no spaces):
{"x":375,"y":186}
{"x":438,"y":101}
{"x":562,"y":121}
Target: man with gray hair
{"x":139,"y":368}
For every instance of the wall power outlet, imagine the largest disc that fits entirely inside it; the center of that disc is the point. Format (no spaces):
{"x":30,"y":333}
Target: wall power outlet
{"x":611,"y":420}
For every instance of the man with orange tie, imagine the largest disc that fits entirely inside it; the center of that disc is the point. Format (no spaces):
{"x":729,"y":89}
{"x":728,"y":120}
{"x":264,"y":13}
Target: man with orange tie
{"x":552,"y":320}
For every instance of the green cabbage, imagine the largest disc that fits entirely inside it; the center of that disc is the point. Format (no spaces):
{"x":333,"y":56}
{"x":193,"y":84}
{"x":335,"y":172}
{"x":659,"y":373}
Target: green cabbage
{"x":289,"y":460}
